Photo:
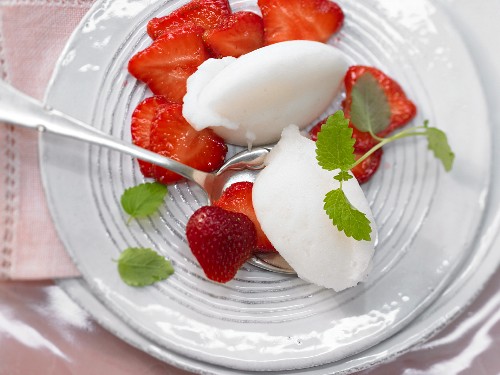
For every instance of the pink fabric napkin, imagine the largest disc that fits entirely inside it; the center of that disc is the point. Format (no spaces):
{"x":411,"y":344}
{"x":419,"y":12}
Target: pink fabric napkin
{"x":32,"y":35}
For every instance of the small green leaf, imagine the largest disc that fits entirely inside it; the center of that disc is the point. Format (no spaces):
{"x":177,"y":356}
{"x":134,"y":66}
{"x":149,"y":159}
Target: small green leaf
{"x":343,"y":176}
{"x":370,"y":109}
{"x":141,"y":267}
{"x":345,"y":217}
{"x":335,"y":145}
{"x":144,"y":199}
{"x":438,"y":144}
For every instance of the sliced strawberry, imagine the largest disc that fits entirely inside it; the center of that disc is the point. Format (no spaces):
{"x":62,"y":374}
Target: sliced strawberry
{"x":402,"y":108}
{"x":240,"y":33}
{"x":172,"y":136}
{"x":142,"y":117}
{"x":313,"y":133}
{"x":221,"y":241}
{"x":364,"y":171}
{"x":364,"y":140}
{"x":205,"y":13}
{"x":300,"y":19}
{"x":167,"y":63}
{"x":238,"y":198}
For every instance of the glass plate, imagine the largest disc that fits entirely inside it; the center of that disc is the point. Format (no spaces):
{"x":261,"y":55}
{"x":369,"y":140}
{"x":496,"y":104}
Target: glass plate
{"x":428,"y":220}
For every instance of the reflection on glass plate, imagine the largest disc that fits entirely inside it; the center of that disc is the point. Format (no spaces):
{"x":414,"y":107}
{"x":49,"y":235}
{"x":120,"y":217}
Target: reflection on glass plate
{"x":428,"y":220}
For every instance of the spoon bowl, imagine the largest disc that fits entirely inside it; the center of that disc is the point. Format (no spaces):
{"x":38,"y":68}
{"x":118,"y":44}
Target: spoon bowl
{"x":19,"y":109}
{"x":245,"y":166}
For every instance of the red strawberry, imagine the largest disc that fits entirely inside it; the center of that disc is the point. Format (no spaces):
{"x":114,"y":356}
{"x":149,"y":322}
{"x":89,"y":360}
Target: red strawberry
{"x":313,"y":133}
{"x":364,"y":171}
{"x":402,"y":108}
{"x":167,"y":63}
{"x":238,"y":198}
{"x":240,"y":33}
{"x":364,"y":140}
{"x":221,"y":241}
{"x":300,"y":19}
{"x":205,"y":13}
{"x":172,"y":136}
{"x":142,"y":117}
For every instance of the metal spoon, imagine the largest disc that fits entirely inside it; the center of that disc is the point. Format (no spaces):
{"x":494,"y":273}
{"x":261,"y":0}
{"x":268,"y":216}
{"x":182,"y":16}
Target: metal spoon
{"x":19,"y":109}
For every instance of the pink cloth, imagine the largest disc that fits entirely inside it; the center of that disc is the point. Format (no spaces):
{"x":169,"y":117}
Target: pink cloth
{"x":32,"y":35}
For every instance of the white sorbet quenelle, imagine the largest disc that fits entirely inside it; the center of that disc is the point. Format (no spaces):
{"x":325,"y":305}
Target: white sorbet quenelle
{"x":249,"y":100}
{"x":288,"y":200}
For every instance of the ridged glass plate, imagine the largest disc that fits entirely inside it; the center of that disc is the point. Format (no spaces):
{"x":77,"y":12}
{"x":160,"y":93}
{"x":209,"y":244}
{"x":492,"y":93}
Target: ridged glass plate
{"x":428,"y":220}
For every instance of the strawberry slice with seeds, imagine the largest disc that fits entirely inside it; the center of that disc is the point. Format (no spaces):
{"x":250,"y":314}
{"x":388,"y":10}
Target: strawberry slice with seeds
{"x":167,"y":63}
{"x":240,"y":33}
{"x":300,"y":19}
{"x":221,"y":241}
{"x":364,"y":140}
{"x":172,"y":136}
{"x":205,"y":13}
{"x":402,"y":109}
{"x":142,"y":117}
{"x":367,"y":168}
{"x":238,"y":198}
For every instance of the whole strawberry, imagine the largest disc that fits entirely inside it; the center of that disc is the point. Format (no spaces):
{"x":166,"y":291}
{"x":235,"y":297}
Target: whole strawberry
{"x":221,"y":241}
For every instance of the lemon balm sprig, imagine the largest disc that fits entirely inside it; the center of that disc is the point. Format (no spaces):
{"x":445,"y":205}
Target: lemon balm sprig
{"x":437,"y":143}
{"x":335,"y":152}
{"x":370,"y":111}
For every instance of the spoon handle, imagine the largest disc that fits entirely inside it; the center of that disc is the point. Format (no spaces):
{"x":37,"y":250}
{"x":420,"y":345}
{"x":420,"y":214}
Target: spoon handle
{"x":19,"y":109}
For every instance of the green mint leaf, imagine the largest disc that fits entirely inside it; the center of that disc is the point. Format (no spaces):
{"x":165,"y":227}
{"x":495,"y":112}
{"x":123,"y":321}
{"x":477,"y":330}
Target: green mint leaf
{"x":144,"y":199}
{"x":345,"y":217}
{"x":141,"y":267}
{"x":438,"y":144}
{"x":335,"y":145}
{"x":343,"y":176}
{"x":370,"y":109}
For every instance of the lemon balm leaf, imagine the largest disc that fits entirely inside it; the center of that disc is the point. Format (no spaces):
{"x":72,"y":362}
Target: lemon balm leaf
{"x":335,"y":145}
{"x":144,"y":199}
{"x":345,"y":217}
{"x":343,"y":176}
{"x":438,"y":144}
{"x":142,"y":266}
{"x":370,"y":109}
